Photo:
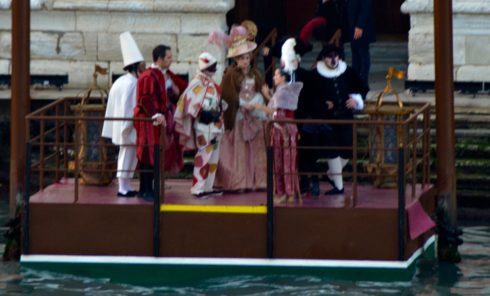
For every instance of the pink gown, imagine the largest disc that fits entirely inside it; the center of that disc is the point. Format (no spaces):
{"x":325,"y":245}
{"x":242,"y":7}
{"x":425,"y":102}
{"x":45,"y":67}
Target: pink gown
{"x":242,"y":161}
{"x":284,"y":140}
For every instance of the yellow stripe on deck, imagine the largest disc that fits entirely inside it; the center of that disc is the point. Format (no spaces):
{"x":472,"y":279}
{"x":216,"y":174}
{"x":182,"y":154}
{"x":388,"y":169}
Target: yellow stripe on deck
{"x":214,"y":209}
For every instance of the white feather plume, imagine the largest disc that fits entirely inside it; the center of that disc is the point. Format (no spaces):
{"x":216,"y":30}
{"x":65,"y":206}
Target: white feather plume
{"x":288,"y":56}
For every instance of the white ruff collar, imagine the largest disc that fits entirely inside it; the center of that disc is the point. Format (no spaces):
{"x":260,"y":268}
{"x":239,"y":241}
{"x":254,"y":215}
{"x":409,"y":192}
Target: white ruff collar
{"x":323,"y":70}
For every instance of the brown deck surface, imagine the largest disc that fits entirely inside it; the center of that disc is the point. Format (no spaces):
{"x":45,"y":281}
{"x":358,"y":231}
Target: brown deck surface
{"x":324,"y":228}
{"x":177,"y":192}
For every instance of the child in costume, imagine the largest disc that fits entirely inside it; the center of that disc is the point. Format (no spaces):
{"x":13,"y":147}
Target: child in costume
{"x":284,"y":137}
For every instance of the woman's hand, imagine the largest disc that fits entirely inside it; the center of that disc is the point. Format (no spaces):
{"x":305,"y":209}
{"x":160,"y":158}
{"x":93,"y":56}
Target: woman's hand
{"x":266,"y":92}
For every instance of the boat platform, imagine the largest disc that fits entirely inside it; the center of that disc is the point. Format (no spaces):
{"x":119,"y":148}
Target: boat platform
{"x":225,"y":235}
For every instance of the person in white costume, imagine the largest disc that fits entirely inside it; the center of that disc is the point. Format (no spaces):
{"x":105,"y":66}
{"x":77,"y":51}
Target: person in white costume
{"x":121,"y":102}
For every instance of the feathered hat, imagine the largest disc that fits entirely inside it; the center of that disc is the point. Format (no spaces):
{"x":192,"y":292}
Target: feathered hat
{"x":303,"y":44}
{"x":236,"y":42}
{"x":289,"y":55}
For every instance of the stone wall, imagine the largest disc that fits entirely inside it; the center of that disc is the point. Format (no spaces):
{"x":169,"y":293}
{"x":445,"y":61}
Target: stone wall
{"x":471,"y":39}
{"x":70,"y":36}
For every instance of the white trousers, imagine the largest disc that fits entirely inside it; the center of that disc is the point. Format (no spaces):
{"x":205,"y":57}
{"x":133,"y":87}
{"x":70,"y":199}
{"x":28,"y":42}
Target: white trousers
{"x":126,"y":162}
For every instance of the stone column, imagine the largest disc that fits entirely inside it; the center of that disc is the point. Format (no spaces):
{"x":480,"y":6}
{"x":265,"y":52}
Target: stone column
{"x":471,"y":37}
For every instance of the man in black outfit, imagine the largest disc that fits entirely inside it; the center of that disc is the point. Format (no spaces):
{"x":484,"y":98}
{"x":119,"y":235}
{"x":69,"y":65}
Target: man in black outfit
{"x":358,"y":29}
{"x":337,"y":92}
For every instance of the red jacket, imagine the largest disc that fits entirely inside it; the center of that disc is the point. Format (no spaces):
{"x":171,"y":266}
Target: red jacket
{"x":151,"y":98}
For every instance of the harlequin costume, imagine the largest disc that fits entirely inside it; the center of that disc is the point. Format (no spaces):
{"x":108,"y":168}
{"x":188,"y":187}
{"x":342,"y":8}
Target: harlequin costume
{"x":199,"y":120}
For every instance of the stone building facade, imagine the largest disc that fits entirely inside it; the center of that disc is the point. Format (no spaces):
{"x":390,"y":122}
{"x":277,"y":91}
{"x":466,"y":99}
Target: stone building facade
{"x":70,"y":36}
{"x":471,"y":39}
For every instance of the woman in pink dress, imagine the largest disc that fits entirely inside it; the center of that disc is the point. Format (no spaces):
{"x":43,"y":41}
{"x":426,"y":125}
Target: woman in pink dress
{"x":242,"y":164}
{"x":284,"y":136}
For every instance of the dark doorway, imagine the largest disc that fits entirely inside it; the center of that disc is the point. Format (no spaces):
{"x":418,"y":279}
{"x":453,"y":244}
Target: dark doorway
{"x":391,"y":23}
{"x":288,"y":16}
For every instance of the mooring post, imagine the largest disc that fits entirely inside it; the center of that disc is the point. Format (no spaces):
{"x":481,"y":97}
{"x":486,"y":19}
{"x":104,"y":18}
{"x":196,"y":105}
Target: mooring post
{"x":19,"y":98}
{"x":446,"y":171}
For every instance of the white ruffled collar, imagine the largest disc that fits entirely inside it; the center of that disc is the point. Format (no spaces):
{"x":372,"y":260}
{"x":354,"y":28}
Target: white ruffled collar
{"x":326,"y":72}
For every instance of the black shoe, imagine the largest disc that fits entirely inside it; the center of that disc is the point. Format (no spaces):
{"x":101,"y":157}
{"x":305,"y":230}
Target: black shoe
{"x":127,"y":194}
{"x":202,"y":195}
{"x":334,"y":191}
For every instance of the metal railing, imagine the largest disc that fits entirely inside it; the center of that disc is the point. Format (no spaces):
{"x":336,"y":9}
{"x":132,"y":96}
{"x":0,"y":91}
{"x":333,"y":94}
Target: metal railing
{"x":54,"y":143}
{"x":412,"y":167}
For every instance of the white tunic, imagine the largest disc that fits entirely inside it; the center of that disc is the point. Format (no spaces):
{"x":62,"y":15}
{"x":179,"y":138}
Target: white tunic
{"x":121,"y":102}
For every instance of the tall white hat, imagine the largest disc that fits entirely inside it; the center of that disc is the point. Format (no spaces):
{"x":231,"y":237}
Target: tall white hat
{"x":130,"y":51}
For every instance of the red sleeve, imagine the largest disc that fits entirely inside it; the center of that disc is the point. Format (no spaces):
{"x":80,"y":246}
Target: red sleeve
{"x":147,"y":96}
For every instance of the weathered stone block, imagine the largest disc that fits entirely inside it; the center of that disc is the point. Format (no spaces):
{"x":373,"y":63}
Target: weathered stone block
{"x":478,"y":50}
{"x":109,"y":48}
{"x":53,"y":21}
{"x":202,"y":23}
{"x":130,"y":5}
{"x":421,"y":72}
{"x":92,"y":21}
{"x":191,"y":46}
{"x":5,"y":45}
{"x":72,"y":45}
{"x":4,"y":67}
{"x":45,"y":45}
{"x":144,"y":22}
{"x":473,"y":73}
{"x":5,"y":20}
{"x":421,"y":48}
{"x":81,"y":4}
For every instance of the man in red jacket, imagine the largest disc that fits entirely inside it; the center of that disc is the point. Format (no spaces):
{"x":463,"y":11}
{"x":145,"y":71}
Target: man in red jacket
{"x":158,"y":90}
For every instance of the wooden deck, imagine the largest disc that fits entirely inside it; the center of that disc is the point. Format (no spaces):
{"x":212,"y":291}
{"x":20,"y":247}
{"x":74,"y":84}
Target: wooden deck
{"x":329,"y":227}
{"x":177,"y":192}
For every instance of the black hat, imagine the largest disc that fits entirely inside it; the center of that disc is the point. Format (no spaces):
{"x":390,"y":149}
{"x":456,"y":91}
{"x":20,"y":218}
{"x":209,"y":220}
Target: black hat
{"x":328,"y":50}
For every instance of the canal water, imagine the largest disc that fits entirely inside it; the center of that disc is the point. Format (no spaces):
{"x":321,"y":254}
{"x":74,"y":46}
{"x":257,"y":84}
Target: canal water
{"x":470,"y":277}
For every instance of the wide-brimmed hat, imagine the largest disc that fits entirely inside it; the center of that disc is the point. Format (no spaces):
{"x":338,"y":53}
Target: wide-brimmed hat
{"x":206,"y":60}
{"x":239,"y":43}
{"x":130,"y":51}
